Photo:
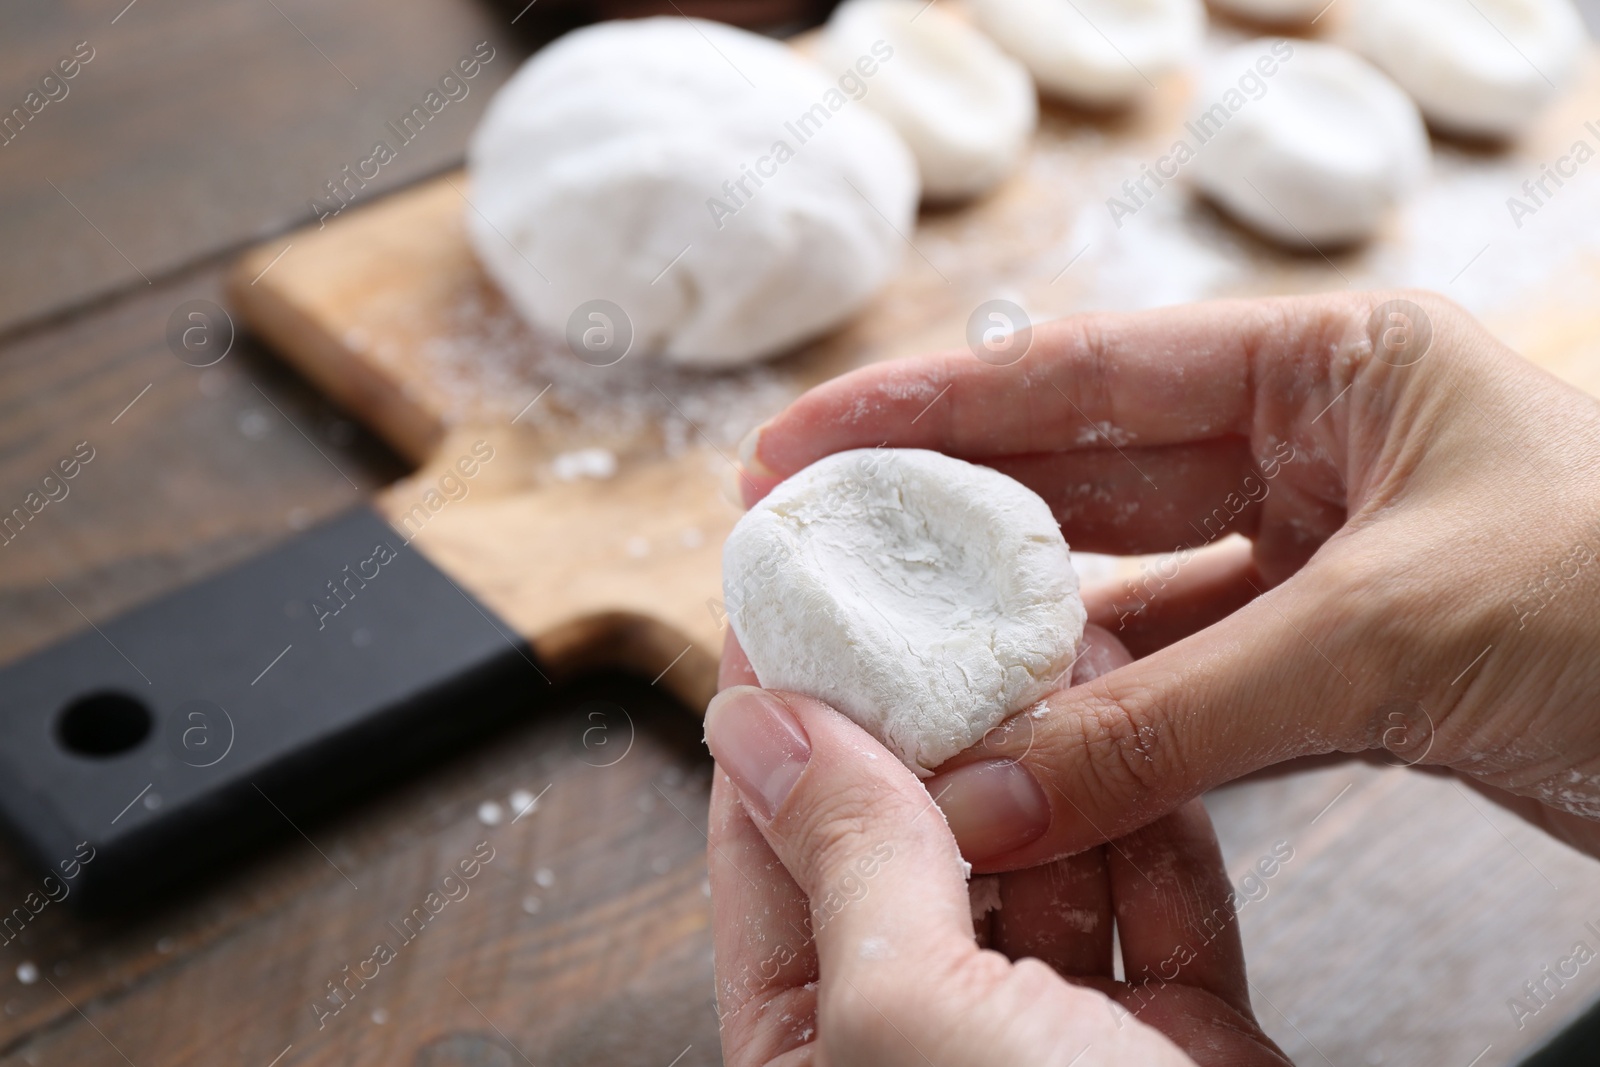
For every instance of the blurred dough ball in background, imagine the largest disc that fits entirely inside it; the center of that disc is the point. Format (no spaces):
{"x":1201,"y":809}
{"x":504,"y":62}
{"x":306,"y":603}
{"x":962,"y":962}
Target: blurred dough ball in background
{"x":1477,"y":68}
{"x":780,"y":17}
{"x":1317,"y":153}
{"x":635,"y":162}
{"x":1276,"y":12}
{"x":1097,"y":53}
{"x":965,"y":108}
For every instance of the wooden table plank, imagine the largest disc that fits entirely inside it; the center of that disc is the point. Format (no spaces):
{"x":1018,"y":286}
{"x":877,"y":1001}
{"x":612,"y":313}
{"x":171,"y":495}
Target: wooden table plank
{"x":199,"y":125}
{"x":1411,"y":912}
{"x":207,"y":467}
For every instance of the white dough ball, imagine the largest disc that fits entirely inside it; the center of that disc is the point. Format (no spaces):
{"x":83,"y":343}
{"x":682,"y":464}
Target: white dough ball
{"x":727,"y":194}
{"x":1102,"y":53}
{"x":1482,"y":68}
{"x":1324,"y":152}
{"x":1274,"y":11}
{"x":965,"y":108}
{"x":925,"y":597}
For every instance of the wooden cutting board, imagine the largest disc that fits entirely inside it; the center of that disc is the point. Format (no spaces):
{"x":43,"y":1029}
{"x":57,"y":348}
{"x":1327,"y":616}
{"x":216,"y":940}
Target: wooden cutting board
{"x":386,"y":310}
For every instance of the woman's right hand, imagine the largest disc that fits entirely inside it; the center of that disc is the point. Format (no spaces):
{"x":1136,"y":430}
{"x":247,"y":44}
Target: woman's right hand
{"x":1422,"y":573}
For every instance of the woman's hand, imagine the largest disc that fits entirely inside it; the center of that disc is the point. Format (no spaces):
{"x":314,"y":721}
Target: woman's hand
{"x":844,"y":934}
{"x":1422,"y":573}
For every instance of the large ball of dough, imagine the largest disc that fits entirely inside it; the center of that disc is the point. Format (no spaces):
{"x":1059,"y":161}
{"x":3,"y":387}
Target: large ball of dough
{"x":1318,"y":153}
{"x":1482,"y":68}
{"x":964,"y":107}
{"x":1101,"y":53}
{"x":925,"y":597}
{"x":731,"y":197}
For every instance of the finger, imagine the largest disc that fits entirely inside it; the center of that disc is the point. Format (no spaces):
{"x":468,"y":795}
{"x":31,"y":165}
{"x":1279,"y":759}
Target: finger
{"x":1174,"y":905}
{"x":990,"y":801}
{"x":1059,"y":913}
{"x":890,"y":915}
{"x":1099,"y":652}
{"x":1177,"y":595}
{"x":1178,"y":375}
{"x":1133,"y":500}
{"x":1117,"y":753}
{"x":762,"y":953}
{"x":856,"y":830}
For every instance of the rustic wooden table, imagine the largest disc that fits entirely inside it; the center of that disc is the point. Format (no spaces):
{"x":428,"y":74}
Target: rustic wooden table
{"x":1409,"y":915}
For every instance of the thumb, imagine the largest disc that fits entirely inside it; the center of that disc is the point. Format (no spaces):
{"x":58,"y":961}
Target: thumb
{"x":888,"y":906}
{"x":900,"y":973}
{"x":854,"y":827}
{"x":1295,"y":671}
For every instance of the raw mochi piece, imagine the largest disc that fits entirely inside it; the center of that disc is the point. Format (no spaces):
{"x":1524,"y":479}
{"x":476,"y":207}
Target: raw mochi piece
{"x":964,"y":107}
{"x":925,"y":597}
{"x":1101,"y":53}
{"x":1320,"y":156}
{"x":1482,"y":68}
{"x":724,"y":192}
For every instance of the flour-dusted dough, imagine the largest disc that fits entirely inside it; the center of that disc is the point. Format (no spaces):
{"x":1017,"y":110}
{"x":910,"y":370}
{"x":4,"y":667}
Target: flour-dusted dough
{"x":728,"y":195}
{"x":1274,"y":11}
{"x":925,"y":597}
{"x":964,"y":107}
{"x":1320,"y":157}
{"x":1102,"y":53}
{"x":1482,"y":68}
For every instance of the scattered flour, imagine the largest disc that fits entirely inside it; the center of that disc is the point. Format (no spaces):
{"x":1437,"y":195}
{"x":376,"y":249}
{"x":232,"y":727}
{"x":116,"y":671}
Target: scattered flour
{"x":487,"y":365}
{"x":598,"y":463}
{"x":984,"y":893}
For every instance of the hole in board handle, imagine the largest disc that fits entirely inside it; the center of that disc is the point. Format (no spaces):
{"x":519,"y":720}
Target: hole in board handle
{"x":103,"y":724}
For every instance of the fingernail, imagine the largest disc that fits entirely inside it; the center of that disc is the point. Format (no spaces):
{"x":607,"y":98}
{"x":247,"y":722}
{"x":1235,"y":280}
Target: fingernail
{"x":756,"y":738}
{"x":993,"y":807}
{"x":747,"y":453}
{"x":730,"y":480}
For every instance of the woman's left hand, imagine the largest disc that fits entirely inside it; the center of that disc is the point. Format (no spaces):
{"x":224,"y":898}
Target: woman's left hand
{"x":844,"y":933}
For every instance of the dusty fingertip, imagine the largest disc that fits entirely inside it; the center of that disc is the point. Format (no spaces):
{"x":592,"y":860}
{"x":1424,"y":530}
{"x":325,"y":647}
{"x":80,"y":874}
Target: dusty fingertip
{"x":749,"y":446}
{"x":993,"y":807}
{"x":756,"y":738}
{"x":1099,"y":653}
{"x":743,"y":488}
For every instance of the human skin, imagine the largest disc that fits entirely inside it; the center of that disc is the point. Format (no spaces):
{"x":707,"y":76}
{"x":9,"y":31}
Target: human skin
{"x":1422,"y":513}
{"x":843,"y":932}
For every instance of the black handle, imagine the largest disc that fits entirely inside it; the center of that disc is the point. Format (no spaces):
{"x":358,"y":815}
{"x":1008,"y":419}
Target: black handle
{"x":136,"y":755}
